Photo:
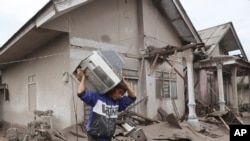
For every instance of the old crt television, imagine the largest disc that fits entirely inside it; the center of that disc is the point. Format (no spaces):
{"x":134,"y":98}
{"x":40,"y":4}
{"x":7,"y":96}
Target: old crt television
{"x":101,"y":69}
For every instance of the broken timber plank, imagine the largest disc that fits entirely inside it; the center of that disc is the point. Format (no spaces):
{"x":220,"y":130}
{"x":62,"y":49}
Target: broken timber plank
{"x":133,"y":105}
{"x":175,"y":109}
{"x":153,"y":65}
{"x":221,"y":119}
{"x":173,"y":121}
{"x":238,"y":118}
{"x":196,"y":133}
{"x":144,"y":117}
{"x":170,"y":118}
{"x":138,"y":119}
{"x":175,"y":70}
{"x":59,"y":135}
{"x":172,"y":67}
{"x":163,"y":114}
{"x":170,"y":51}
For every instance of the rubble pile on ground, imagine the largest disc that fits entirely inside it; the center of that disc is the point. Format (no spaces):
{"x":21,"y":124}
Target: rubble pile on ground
{"x":39,"y":129}
{"x":132,"y":126}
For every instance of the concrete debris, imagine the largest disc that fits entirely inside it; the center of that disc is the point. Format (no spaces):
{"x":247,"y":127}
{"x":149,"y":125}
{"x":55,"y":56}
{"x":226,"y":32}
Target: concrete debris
{"x":175,"y":137}
{"x":217,"y":113}
{"x":170,"y":118}
{"x":245,"y":114}
{"x":131,"y":126}
{"x":211,"y":120}
{"x":12,"y":134}
{"x":38,"y":130}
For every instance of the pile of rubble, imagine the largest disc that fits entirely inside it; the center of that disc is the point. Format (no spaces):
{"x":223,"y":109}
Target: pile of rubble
{"x":38,"y":130}
{"x":132,"y":126}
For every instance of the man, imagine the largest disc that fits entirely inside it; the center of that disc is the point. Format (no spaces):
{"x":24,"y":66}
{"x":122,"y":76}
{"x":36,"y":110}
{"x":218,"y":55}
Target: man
{"x":104,"y":108}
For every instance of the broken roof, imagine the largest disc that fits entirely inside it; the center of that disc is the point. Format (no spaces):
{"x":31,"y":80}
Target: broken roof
{"x":223,"y":35}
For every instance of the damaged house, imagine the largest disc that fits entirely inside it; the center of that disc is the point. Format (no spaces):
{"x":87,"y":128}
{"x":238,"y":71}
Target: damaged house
{"x":218,"y":74}
{"x":155,"y":38}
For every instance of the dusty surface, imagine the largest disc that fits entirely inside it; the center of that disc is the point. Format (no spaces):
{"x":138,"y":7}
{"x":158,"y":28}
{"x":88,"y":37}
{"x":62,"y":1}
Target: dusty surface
{"x":157,"y":131}
{"x":166,"y":131}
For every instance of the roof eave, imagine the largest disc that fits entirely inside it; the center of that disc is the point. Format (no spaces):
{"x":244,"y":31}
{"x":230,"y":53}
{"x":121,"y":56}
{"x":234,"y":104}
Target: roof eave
{"x":238,"y":41}
{"x":50,"y":11}
{"x":187,"y":20}
{"x":175,"y":13}
{"x":31,"y":35}
{"x":29,"y":25}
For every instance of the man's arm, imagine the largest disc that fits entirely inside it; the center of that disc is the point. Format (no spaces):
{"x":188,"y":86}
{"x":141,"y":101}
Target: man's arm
{"x":131,"y":93}
{"x":81,"y":77}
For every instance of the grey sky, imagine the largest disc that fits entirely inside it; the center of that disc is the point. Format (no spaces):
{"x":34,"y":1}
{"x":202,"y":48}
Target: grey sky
{"x":203,"y":14}
{"x":14,"y":14}
{"x":209,"y":13}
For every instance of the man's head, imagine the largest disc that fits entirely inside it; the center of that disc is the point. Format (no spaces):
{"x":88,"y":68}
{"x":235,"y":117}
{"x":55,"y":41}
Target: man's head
{"x":117,"y":92}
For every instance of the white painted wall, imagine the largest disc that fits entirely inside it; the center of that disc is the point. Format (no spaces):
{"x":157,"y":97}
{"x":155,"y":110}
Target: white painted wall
{"x":111,"y":23}
{"x":52,"y":92}
{"x":160,"y":33}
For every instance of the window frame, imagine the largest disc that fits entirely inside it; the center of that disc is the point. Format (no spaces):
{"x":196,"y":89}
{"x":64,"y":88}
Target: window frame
{"x":162,"y":79}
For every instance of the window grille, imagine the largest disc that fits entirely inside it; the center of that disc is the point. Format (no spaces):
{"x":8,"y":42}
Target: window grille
{"x":166,"y":86}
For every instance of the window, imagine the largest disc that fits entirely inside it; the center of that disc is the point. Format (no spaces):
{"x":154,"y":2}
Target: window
{"x":166,"y":86}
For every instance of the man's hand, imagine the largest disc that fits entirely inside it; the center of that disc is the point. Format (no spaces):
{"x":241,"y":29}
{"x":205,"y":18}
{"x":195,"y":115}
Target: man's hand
{"x":81,"y":77}
{"x":80,"y":74}
{"x":131,"y":93}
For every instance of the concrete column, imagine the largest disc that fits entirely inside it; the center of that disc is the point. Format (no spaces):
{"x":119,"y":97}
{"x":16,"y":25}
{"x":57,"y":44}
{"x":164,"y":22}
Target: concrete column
{"x":192,"y":118}
{"x":234,"y":87}
{"x":221,"y":87}
{"x":203,"y":86}
{"x":249,"y":88}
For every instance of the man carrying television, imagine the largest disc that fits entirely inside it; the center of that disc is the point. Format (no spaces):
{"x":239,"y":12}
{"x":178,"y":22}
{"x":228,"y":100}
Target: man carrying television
{"x":104,"y":108}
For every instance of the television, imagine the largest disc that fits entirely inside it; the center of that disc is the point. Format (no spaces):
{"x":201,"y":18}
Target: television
{"x":101,"y":69}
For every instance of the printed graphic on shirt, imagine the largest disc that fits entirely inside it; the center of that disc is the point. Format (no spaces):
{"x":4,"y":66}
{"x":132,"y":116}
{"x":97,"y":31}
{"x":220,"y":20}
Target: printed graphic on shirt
{"x":106,"y":110}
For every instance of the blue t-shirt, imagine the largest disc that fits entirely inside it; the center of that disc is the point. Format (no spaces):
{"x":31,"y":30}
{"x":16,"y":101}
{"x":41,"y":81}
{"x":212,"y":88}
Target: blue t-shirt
{"x":103,"y":113}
